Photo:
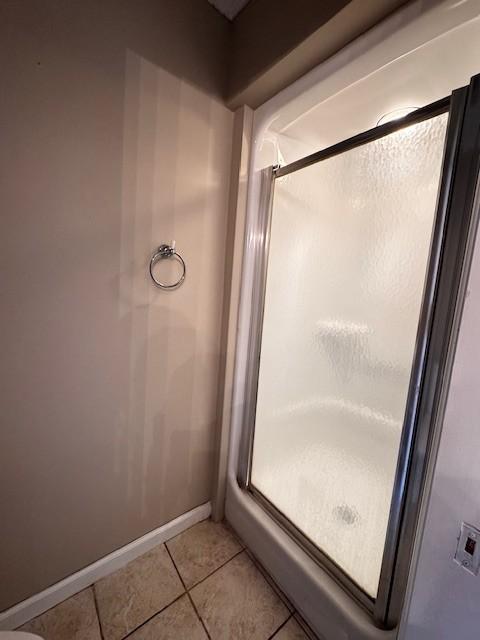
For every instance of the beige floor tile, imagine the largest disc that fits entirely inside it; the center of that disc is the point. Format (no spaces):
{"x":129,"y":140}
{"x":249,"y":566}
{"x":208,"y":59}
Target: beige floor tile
{"x":130,"y":596}
{"x":291,"y":631}
{"x":271,"y":582}
{"x":202,"y":549}
{"x":74,"y":619}
{"x":177,"y":622}
{"x":237,"y":603}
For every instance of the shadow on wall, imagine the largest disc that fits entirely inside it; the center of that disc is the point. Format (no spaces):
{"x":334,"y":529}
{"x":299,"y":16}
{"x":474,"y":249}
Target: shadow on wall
{"x":116,"y":141}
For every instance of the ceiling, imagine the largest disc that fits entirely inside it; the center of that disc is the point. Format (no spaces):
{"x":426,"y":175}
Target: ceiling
{"x":229,"y":8}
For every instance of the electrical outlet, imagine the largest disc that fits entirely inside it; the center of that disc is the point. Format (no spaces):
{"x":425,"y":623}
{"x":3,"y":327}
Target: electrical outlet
{"x":468,"y":548}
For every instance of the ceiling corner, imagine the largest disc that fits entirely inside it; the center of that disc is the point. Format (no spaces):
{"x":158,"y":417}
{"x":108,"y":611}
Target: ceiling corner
{"x":229,"y":8}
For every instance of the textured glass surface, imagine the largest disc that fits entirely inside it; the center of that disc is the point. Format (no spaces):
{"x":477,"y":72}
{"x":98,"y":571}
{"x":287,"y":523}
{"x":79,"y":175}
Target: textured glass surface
{"x":349,"y":247}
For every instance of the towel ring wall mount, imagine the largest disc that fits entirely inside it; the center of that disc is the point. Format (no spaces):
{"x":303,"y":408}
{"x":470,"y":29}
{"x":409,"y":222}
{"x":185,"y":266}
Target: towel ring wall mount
{"x":164,"y":252}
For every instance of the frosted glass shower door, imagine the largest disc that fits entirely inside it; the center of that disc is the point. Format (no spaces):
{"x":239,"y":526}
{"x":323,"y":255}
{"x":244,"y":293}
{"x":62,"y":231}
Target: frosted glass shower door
{"x":349,"y":246}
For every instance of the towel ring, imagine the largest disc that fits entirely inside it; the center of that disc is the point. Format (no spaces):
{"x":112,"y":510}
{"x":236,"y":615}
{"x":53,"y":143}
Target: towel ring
{"x":167,"y":251}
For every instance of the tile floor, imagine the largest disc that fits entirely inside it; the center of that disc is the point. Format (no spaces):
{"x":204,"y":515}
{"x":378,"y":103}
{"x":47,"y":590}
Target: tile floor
{"x":200,"y":585}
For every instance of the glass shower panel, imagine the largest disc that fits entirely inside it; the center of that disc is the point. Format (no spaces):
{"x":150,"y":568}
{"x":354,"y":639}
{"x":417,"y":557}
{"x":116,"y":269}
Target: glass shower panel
{"x":347,"y":260}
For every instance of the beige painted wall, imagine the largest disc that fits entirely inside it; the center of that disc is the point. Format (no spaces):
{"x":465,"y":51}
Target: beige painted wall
{"x":113,"y":140}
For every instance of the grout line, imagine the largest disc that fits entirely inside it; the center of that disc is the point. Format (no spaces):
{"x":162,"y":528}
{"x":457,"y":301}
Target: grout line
{"x":231,"y":531}
{"x":307,"y":630}
{"x":151,"y":617}
{"x":98,"y":612}
{"x":297,"y":616}
{"x":280,"y":627}
{"x":198,"y":615}
{"x":176,"y":568}
{"x":271,"y":582}
{"x":188,"y":594}
{"x":275,"y":589}
{"x":268,"y":579}
{"x":217,"y":569}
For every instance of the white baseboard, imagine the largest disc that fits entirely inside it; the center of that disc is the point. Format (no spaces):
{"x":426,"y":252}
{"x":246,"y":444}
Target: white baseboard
{"x":41,"y":602}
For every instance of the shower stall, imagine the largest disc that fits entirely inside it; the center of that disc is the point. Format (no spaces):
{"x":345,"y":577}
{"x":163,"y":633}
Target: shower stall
{"x":353,"y":273}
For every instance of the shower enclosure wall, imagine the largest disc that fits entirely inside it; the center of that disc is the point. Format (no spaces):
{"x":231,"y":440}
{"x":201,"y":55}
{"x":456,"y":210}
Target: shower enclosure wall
{"x":353,"y":260}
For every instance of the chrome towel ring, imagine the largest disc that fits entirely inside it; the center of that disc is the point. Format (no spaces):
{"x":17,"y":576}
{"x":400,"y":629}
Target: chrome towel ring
{"x":167,"y":251}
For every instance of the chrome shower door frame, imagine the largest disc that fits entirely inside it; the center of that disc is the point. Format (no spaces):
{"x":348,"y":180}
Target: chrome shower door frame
{"x":430,"y":372}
